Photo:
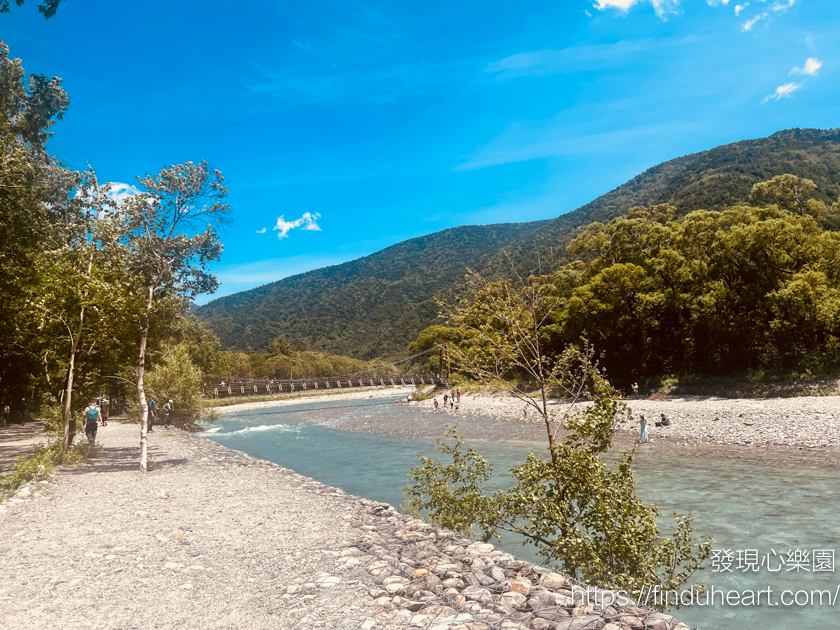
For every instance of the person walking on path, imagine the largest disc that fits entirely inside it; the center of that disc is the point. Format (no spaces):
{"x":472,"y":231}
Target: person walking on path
{"x":104,"y":407}
{"x":4,"y":415}
{"x":152,"y":412}
{"x":91,"y":414}
{"x":22,"y":411}
{"x":458,"y":395}
{"x":167,"y":412}
{"x":643,"y":432}
{"x":636,"y":390}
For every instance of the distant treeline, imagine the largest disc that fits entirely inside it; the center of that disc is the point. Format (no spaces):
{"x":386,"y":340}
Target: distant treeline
{"x":753,"y":286}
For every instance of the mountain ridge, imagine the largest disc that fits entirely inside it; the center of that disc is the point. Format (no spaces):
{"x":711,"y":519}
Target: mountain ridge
{"x":374,"y":306}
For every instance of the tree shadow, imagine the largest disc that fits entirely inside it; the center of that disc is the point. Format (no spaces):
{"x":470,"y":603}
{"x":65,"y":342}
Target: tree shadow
{"x":122,"y":459}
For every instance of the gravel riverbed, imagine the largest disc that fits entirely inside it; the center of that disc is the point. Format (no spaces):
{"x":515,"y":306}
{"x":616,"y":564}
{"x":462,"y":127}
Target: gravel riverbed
{"x":810,"y":422}
{"x":214,"y":538}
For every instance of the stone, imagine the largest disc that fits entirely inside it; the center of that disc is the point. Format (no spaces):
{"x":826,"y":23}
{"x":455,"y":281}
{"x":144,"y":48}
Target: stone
{"x":376,"y":592}
{"x":583,"y":622}
{"x":186,"y":587}
{"x":512,"y":599}
{"x":420,"y":573}
{"x":553,"y":581}
{"x":496,"y":573}
{"x":329,"y":582}
{"x":552,"y":613}
{"x":478,"y":594}
{"x":395,"y":588}
{"x":540,"y":624}
{"x":521,"y":586}
{"x":478,"y":549}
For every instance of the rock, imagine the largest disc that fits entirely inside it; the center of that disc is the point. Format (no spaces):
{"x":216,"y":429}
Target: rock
{"x":496,"y":573}
{"x":512,"y":599}
{"x":552,"y":613}
{"x":420,"y":573}
{"x":479,"y":549}
{"x":521,"y":586}
{"x":375,"y":592}
{"x":329,"y":582}
{"x":186,"y":587}
{"x":553,"y":581}
{"x":478,"y":594}
{"x":583,"y":622}
{"x":541,"y":624}
{"x":395,"y":588}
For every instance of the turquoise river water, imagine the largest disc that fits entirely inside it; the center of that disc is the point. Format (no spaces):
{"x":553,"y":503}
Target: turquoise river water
{"x":766,"y":514}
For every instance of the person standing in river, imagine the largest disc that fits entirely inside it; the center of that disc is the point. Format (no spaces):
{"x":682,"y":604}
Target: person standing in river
{"x":643,"y":432}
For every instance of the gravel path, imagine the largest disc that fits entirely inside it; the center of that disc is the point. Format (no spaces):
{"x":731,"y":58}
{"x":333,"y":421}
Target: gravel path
{"x":210,"y":539}
{"x":18,"y":440}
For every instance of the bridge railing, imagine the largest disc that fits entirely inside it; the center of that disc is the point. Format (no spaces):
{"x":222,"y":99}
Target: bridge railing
{"x":241,"y":387}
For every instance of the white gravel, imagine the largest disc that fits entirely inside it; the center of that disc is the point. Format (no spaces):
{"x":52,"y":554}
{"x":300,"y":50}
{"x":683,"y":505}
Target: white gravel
{"x":211,"y":539}
{"x":812,"y":421}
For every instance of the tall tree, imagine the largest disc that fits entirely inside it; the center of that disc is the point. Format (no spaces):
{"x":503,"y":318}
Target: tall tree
{"x":165,"y":253}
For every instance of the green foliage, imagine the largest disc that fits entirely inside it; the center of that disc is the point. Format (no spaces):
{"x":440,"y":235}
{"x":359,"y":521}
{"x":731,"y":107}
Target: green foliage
{"x":581,"y":513}
{"x":713,"y":292}
{"x":575,"y":508}
{"x":178,"y":379}
{"x":47,"y":8}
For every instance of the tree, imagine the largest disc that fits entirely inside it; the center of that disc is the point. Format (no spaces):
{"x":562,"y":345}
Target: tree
{"x":47,"y":8}
{"x":575,"y":508}
{"x":35,"y":194}
{"x":168,"y":262}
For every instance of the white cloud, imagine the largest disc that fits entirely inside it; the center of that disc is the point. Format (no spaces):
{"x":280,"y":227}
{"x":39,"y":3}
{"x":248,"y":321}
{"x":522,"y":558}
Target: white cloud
{"x":783,"y":91}
{"x":783,"y":6}
{"x":119,"y":192}
{"x":746,"y":26}
{"x":740,"y":7}
{"x":662,"y":7}
{"x":262,"y":231}
{"x":811,"y":67}
{"x":306,"y":222}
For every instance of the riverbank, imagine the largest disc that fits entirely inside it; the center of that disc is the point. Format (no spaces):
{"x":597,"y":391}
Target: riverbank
{"x":804,"y":422}
{"x":214,"y":538}
{"x":242,"y":404}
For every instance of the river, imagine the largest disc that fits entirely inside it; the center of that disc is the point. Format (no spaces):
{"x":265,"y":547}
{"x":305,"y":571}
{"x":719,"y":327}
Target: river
{"x":766,"y":514}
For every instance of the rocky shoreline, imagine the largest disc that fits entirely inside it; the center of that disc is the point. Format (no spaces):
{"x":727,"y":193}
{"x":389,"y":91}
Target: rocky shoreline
{"x":214,"y":538}
{"x":809,"y":422}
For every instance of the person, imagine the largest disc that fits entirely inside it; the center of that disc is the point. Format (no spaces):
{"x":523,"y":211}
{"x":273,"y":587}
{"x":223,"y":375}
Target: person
{"x":636,"y":391}
{"x":167,"y":411}
{"x":452,"y":403}
{"x":643,"y":432}
{"x":104,"y":407}
{"x":458,"y":395}
{"x":5,"y":414}
{"x":91,"y":415}
{"x":408,"y":398}
{"x":72,"y":428}
{"x":665,"y":422}
{"x":445,"y":398}
{"x":152,"y":412}
{"x":436,"y":404}
{"x":22,"y":411}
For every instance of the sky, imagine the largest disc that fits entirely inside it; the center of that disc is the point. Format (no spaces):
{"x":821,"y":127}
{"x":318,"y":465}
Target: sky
{"x":344,"y":127}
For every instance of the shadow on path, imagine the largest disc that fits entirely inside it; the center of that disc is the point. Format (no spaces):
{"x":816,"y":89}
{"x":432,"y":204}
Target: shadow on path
{"x":18,"y":440}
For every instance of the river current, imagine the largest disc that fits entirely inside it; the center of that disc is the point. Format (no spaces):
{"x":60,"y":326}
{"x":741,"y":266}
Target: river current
{"x":773,"y":522}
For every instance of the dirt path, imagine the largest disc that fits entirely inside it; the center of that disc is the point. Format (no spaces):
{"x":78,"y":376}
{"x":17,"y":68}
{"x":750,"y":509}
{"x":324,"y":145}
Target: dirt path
{"x":18,"y":440}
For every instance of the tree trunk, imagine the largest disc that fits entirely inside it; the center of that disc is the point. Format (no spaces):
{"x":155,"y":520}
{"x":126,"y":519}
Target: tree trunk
{"x":68,"y":385}
{"x":141,"y":386}
{"x":68,"y":388}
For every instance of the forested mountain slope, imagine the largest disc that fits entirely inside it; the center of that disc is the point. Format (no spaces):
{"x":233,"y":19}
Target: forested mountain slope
{"x":374,"y":306}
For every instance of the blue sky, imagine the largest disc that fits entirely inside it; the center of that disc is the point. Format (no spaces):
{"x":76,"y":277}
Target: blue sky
{"x":366,"y":123}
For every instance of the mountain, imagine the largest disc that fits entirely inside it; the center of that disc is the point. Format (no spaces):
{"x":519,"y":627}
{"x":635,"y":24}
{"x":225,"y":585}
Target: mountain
{"x":376,"y":305}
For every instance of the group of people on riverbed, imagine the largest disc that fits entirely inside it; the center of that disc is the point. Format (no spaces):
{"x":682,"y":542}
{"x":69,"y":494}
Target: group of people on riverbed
{"x":450,"y":399}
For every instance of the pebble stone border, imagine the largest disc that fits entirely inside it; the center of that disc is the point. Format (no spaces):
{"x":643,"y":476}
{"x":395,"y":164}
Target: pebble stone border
{"x":437,"y":580}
